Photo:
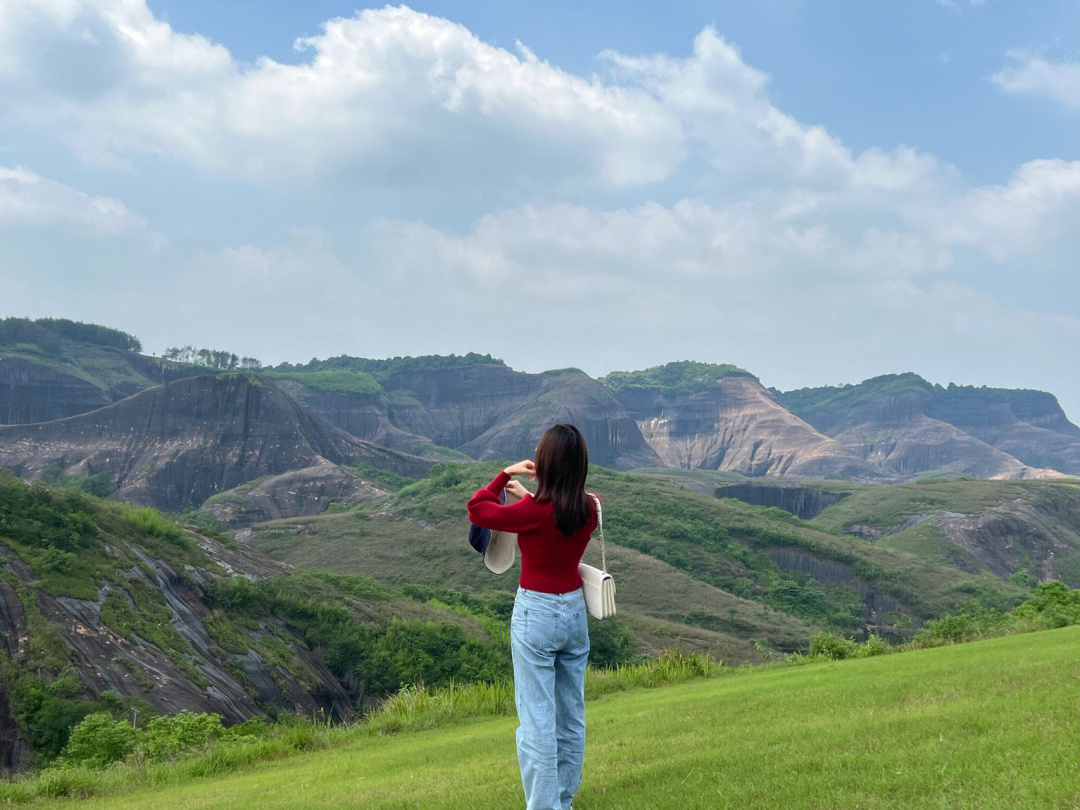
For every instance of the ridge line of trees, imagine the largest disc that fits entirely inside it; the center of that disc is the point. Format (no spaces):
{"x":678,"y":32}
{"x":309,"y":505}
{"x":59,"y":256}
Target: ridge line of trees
{"x":211,"y":358}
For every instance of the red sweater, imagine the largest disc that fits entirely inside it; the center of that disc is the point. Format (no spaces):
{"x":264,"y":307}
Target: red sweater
{"x":549,"y":559}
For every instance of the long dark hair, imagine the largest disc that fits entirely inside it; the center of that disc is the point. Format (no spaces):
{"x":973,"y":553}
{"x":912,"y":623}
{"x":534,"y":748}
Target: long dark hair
{"x":562,"y":462}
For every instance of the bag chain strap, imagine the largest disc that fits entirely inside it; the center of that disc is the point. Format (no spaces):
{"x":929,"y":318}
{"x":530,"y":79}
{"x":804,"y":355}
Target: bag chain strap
{"x":600,"y":530}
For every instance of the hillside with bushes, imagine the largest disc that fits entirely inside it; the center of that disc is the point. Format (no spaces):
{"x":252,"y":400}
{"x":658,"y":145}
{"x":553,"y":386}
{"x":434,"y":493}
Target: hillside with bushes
{"x":110,"y":607}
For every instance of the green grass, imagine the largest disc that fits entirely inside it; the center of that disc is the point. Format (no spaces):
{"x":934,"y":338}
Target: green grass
{"x":984,"y":725}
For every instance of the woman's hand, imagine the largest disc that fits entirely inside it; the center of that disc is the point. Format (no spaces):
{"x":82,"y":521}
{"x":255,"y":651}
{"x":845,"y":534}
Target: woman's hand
{"x":525,"y":467}
{"x":516,"y":488}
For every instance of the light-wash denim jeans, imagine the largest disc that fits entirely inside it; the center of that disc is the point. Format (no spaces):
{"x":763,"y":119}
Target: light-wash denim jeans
{"x":549,"y":640}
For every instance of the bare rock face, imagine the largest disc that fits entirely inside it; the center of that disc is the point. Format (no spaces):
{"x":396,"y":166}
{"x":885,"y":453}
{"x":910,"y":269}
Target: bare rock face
{"x":237,"y":687}
{"x":895,"y":435}
{"x":175,"y":445}
{"x":740,"y":427}
{"x":309,"y":491}
{"x":802,"y":501}
{"x":909,"y":425}
{"x":1010,"y":536}
{"x":362,"y":415}
{"x":35,"y":389}
{"x":491,"y":411}
{"x":1028,"y":425}
{"x":34,"y":392}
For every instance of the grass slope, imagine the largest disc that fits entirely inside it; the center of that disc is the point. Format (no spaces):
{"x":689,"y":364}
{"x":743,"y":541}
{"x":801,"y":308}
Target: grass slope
{"x":985,"y":725}
{"x":694,"y":572}
{"x":908,"y":518}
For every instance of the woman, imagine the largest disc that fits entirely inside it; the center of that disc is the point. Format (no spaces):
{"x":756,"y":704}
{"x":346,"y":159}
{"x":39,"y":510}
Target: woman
{"x":549,"y":633}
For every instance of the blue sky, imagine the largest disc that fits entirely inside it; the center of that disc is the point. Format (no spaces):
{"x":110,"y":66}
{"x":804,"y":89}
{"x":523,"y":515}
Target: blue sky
{"x":820,"y":192}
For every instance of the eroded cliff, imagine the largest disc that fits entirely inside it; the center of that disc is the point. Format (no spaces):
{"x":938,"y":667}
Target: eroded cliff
{"x":175,"y":445}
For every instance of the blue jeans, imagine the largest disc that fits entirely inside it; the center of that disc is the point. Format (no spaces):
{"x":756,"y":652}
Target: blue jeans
{"x":549,"y":640}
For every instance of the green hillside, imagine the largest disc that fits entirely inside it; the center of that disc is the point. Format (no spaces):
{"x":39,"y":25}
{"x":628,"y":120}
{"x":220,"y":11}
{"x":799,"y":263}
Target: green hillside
{"x":693,"y":571}
{"x":985,"y":725}
{"x":679,"y":377}
{"x":107,"y":359}
{"x":106,"y":606}
{"x":1002,"y":527}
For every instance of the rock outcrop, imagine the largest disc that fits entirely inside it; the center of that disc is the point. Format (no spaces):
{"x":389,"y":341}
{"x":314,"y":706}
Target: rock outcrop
{"x":737,"y":426}
{"x":175,"y":445}
{"x":896,"y":435}
{"x":908,"y":425}
{"x":205,"y":679}
{"x":803,"y":502}
{"x":40,"y":389}
{"x":362,"y":415}
{"x":296,"y":493}
{"x":1028,"y":425}
{"x":489,"y":411}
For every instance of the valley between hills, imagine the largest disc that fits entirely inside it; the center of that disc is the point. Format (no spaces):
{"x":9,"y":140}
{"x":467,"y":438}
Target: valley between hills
{"x":190,"y":534}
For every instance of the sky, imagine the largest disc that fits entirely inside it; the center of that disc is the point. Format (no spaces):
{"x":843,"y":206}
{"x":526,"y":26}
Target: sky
{"x":819,"y":192}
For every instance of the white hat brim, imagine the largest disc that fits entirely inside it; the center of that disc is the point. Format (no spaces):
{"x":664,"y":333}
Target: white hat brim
{"x":502,"y":547}
{"x":501,"y":552}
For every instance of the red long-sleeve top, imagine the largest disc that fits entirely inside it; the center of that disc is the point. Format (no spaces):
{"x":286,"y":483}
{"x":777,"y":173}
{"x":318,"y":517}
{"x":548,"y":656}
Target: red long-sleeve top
{"x":549,"y":559}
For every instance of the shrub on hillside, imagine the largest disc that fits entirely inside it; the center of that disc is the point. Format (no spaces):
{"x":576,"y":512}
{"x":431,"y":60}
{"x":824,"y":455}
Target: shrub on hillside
{"x":610,"y":644}
{"x":825,"y":644}
{"x":168,"y":736}
{"x":1052,"y":605}
{"x":42,"y":518}
{"x":100,"y":739}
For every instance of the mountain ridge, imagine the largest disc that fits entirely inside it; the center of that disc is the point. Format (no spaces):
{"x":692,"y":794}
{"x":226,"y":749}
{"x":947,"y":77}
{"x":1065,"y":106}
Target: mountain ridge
{"x":683,"y":413}
{"x":175,"y":445}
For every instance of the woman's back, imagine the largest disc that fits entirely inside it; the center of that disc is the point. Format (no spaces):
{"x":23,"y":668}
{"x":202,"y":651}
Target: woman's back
{"x":549,"y":559}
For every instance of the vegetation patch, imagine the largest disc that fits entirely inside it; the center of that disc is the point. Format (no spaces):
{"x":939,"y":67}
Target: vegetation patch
{"x":682,"y":377}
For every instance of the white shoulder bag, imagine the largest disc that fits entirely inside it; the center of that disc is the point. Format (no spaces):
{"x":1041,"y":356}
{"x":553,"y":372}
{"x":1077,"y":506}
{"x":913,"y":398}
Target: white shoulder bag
{"x":599,"y":585}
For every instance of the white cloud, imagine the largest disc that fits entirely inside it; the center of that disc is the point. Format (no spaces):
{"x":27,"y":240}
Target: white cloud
{"x":1040,"y":200}
{"x":1032,"y":75}
{"x":722,"y":102}
{"x":391,"y":96}
{"x":29,"y":199}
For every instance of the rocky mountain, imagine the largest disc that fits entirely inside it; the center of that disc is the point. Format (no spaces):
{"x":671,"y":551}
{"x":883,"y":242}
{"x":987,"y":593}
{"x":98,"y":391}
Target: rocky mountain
{"x":730,"y":422}
{"x":175,"y":445}
{"x":474,"y":405}
{"x":682,"y":414}
{"x":907,"y":425}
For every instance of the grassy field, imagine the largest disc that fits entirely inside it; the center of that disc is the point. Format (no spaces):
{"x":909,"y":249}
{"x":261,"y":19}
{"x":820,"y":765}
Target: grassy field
{"x":991,"y":724}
